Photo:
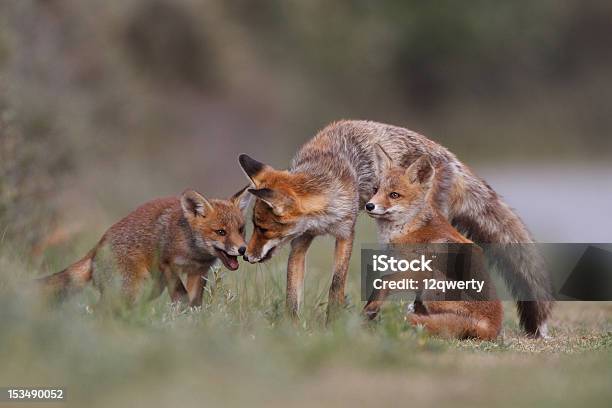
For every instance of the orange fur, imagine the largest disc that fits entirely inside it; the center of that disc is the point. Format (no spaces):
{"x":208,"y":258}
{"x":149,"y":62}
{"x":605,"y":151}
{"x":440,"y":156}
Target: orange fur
{"x":156,"y":243}
{"x":335,"y":173}
{"x":403,"y":208}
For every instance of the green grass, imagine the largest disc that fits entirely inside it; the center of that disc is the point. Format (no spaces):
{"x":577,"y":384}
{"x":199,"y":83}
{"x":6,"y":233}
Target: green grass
{"x":239,"y":349}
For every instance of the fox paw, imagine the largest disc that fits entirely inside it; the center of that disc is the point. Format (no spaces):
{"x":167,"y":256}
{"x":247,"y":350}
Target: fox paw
{"x":371,"y":312}
{"x":542,"y":332}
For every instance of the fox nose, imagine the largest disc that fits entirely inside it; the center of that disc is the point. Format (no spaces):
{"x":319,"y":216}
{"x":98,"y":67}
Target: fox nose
{"x":242,"y":250}
{"x":370,"y":206}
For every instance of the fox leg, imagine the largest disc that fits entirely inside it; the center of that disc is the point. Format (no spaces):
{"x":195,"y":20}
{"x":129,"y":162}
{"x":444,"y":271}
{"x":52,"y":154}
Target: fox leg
{"x":451,"y":325}
{"x":134,"y":277}
{"x":196,"y":282}
{"x":418,"y":307}
{"x":342,"y":256}
{"x":159,"y":284}
{"x":378,"y":296}
{"x":454,"y":320}
{"x":176,"y":289}
{"x":295,"y":273}
{"x":375,"y":301}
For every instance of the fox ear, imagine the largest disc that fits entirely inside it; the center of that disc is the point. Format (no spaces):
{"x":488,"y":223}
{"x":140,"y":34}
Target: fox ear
{"x":241,"y":199}
{"x":252,"y":168}
{"x":421,"y":171}
{"x":384,"y":156}
{"x":194,"y":204}
{"x":279,"y":202}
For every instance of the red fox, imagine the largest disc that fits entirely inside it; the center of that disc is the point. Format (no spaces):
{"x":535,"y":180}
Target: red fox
{"x":155,"y":243}
{"x":332,"y":177}
{"x":405,"y":214}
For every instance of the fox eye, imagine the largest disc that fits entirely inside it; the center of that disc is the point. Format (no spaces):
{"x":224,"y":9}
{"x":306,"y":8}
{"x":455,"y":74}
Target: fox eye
{"x":262,"y":230}
{"x":394,"y":195}
{"x":375,"y":190}
{"x":221,"y":232}
{"x":241,"y":230}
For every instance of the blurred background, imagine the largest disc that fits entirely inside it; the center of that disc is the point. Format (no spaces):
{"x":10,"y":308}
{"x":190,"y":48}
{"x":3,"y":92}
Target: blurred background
{"x":104,"y":105}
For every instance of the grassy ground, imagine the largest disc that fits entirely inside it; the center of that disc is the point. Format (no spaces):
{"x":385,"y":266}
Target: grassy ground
{"x":240,"y":350}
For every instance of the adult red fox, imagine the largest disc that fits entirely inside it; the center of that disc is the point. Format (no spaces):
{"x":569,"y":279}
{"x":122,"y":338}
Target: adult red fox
{"x":334,"y":174}
{"x":405,"y":214}
{"x":158,"y":241}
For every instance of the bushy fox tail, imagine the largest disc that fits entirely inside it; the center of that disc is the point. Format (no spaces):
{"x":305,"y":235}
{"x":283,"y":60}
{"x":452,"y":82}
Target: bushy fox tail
{"x":70,"y":280}
{"x":485,"y":219}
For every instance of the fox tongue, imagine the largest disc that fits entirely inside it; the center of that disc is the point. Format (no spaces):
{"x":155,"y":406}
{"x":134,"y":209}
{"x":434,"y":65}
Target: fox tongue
{"x":230,"y":261}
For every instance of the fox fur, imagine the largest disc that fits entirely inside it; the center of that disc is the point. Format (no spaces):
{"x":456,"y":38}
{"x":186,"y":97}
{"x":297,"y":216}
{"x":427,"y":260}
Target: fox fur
{"x":155,"y":244}
{"x":405,"y":215}
{"x":335,"y":173}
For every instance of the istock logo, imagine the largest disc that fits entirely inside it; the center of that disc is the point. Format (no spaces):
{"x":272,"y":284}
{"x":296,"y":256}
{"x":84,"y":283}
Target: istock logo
{"x":383,"y":263}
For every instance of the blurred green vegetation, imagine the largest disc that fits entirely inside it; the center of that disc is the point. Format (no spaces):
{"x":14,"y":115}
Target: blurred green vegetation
{"x":31,"y":169}
{"x":240,"y":349}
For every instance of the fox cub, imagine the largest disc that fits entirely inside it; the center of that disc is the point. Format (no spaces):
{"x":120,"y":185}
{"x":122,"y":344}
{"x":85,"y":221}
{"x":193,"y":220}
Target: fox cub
{"x":157,"y":242}
{"x":405,"y":214}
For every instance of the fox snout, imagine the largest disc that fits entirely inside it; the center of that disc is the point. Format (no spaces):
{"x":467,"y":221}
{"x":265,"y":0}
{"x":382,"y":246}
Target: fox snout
{"x":259,"y":249}
{"x":237,"y":249}
{"x":374,"y":209}
{"x":252,"y":257}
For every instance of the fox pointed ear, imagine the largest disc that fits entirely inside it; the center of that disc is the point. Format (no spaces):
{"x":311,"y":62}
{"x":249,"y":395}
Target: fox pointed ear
{"x":279,"y":202}
{"x":421,"y":171}
{"x":194,"y":204}
{"x":241,"y":199}
{"x":252,"y":168}
{"x":383,"y":156}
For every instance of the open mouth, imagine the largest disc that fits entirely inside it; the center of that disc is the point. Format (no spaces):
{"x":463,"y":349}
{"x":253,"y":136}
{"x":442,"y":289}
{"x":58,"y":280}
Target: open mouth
{"x":230,"y":261}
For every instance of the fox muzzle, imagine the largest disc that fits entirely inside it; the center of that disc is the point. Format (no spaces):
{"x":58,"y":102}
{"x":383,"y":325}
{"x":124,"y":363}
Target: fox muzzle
{"x":375,"y":209}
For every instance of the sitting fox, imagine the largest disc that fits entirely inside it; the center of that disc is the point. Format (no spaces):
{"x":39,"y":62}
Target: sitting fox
{"x":405,"y":214}
{"x":155,"y":243}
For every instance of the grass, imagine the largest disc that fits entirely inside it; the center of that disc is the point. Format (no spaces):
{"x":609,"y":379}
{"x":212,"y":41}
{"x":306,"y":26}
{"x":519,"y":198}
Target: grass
{"x":239,"y":349}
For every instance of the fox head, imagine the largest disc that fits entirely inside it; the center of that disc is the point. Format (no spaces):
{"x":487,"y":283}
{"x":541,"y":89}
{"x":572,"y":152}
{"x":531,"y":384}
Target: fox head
{"x":402,"y":192}
{"x":217,"y":226}
{"x":284,"y":201}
